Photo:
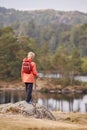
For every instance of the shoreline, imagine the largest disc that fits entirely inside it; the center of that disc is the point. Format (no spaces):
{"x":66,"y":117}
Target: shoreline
{"x":44,"y":86}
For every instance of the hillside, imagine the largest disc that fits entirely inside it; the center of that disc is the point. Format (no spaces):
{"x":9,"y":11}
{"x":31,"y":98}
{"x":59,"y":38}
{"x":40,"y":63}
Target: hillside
{"x":58,"y":36}
{"x":41,"y":17}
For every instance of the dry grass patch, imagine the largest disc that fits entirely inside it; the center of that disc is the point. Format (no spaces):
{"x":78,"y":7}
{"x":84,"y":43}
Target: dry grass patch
{"x":19,"y":122}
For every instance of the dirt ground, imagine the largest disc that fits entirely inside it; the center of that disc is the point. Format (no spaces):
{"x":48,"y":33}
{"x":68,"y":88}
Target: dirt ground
{"x":65,"y":121}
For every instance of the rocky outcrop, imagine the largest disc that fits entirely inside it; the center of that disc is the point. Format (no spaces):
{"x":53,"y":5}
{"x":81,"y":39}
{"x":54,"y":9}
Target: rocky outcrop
{"x":26,"y":109}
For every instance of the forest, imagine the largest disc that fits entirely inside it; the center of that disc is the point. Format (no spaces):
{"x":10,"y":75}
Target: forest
{"x":60,"y":43}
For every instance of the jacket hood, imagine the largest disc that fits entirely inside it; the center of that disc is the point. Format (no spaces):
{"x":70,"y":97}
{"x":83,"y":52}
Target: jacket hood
{"x":27,"y":59}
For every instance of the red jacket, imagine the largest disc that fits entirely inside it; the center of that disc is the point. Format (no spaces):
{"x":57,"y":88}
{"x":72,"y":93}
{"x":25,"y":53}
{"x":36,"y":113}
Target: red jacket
{"x":29,"y":78}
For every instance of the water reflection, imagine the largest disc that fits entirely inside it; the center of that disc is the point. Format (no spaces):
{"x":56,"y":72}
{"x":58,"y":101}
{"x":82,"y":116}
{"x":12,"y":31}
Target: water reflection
{"x":65,"y":103}
{"x":12,"y":96}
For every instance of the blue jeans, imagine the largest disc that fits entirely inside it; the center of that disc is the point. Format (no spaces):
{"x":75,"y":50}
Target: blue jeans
{"x":29,"y":88}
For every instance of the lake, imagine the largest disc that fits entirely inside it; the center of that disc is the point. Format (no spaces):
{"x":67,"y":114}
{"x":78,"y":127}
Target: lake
{"x":59,"y":102}
{"x":80,"y":78}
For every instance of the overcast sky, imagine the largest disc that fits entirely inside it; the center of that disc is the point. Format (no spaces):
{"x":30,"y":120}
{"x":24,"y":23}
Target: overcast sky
{"x":63,"y":5}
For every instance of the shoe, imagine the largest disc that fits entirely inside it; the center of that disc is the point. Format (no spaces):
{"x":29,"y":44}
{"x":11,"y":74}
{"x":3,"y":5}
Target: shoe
{"x":30,"y":102}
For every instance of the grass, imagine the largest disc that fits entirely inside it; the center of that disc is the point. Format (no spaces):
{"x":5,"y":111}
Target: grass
{"x":65,"y":121}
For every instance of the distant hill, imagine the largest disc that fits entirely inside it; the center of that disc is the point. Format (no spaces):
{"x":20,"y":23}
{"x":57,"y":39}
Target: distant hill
{"x":41,"y":17}
{"x":48,"y":28}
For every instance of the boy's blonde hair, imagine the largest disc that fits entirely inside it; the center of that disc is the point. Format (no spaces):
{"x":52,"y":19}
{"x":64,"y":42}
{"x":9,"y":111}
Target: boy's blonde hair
{"x":31,"y":55}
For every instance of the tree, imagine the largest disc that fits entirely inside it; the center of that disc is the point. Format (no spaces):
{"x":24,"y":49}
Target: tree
{"x":8,"y":50}
{"x":75,"y":63}
{"x":84,"y":66}
{"x":61,"y":64}
{"x":12,"y":51}
{"x":44,"y":58}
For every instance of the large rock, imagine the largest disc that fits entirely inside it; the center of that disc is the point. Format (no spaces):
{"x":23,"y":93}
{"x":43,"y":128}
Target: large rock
{"x":26,"y":109}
